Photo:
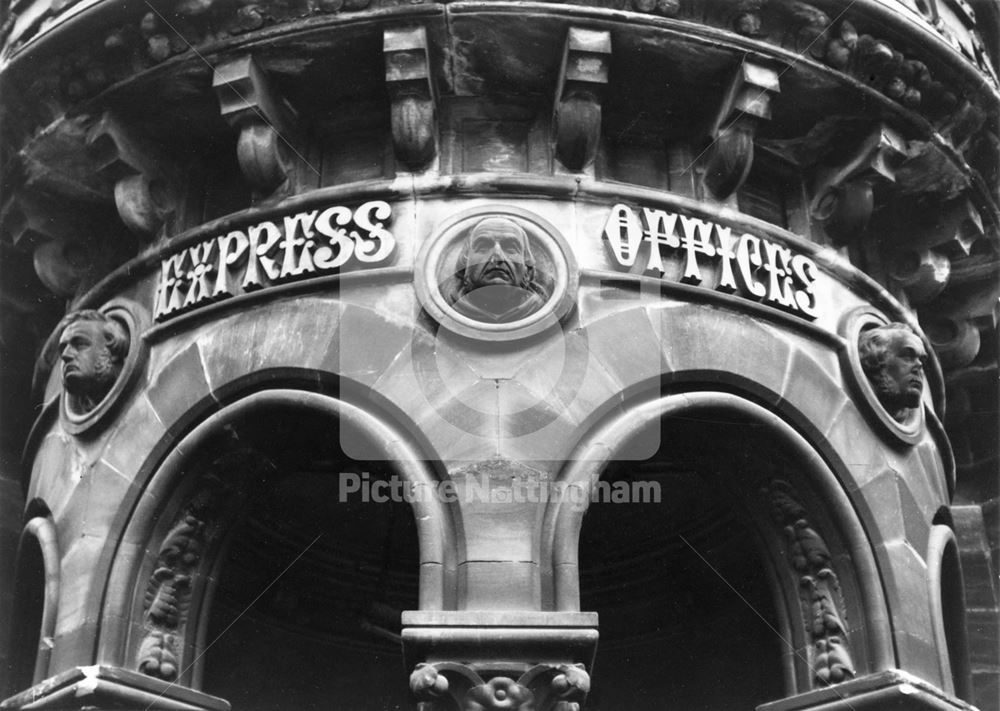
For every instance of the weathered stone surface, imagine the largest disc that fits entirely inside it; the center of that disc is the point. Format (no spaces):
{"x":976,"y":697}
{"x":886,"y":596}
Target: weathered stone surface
{"x":507,"y":585}
{"x":179,"y":387}
{"x":906,"y":573}
{"x":714,"y":347}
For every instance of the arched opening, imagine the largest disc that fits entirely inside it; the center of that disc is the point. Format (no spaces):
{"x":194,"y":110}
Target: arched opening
{"x":947,"y":596}
{"x":748,"y":581}
{"x":36,"y":585}
{"x":262,"y":576}
{"x":682,"y":585}
{"x":316,"y":572}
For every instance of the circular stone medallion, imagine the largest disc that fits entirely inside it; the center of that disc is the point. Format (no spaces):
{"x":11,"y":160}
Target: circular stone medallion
{"x":132,"y":318}
{"x":854,"y":324}
{"x":496,"y":273}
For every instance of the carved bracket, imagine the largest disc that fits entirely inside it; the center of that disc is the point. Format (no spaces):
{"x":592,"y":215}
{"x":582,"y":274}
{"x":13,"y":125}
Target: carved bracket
{"x":747,"y":102}
{"x":59,"y":238}
{"x":809,"y":558}
{"x":936,"y":248}
{"x":141,"y":174}
{"x":843,"y":196}
{"x":583,"y":79}
{"x":265,"y":121}
{"x":412,"y":96}
{"x":447,"y":685}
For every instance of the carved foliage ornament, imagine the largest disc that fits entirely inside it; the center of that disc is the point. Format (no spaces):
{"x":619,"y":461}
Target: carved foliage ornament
{"x":446,"y":685}
{"x":820,"y":595}
{"x":168,"y":590}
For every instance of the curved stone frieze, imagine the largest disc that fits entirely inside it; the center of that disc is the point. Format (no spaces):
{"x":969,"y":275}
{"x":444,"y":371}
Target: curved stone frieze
{"x":818,"y":30}
{"x":809,"y":558}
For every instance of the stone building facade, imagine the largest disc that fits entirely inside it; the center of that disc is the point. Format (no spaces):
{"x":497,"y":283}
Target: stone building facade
{"x":618,"y":354}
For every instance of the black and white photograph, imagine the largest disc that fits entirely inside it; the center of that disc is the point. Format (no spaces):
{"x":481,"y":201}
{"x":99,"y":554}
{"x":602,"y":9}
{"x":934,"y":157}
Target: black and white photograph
{"x":499,"y":355}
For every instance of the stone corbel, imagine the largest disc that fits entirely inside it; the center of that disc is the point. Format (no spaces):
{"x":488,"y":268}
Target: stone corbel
{"x":62,"y":256}
{"x":412,"y":96}
{"x":746,"y":103}
{"x":953,"y":324}
{"x":843,"y":197}
{"x":264,"y":119}
{"x":922,"y":273}
{"x":583,"y":80}
{"x":447,"y":685}
{"x":922,"y":261}
{"x":140,"y":173}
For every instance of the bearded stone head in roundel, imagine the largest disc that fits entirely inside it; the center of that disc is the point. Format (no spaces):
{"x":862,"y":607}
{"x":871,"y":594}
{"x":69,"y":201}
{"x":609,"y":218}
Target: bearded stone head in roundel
{"x":893,"y":358}
{"x":495,"y":278}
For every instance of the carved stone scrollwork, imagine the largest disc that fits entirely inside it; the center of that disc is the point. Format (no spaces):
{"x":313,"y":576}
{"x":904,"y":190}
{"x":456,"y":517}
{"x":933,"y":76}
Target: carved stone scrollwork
{"x":140,"y":171}
{"x":265,"y":121}
{"x":412,"y":95}
{"x":583,"y":79}
{"x":168,"y":591}
{"x":843,"y":197}
{"x":447,"y":685}
{"x":809,"y":558}
{"x":747,"y":102}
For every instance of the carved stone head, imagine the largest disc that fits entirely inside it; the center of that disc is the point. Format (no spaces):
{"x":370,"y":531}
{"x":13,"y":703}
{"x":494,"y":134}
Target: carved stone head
{"x":893,"y":358}
{"x":496,"y":280}
{"x":92,"y":348}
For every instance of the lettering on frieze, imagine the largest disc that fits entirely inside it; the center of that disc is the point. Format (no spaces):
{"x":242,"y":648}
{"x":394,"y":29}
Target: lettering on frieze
{"x":701,"y":251}
{"x":305,"y":244}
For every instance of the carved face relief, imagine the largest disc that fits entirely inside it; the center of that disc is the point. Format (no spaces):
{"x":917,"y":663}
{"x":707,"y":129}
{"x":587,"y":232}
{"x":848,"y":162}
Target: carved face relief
{"x":495,"y":279}
{"x":89,"y":366}
{"x":496,"y":273}
{"x":893,"y":358}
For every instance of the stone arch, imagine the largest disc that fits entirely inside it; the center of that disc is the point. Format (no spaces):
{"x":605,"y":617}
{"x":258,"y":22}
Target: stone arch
{"x":856,"y":565}
{"x":36,"y":604}
{"x":174,"y":513}
{"x":947,"y":600}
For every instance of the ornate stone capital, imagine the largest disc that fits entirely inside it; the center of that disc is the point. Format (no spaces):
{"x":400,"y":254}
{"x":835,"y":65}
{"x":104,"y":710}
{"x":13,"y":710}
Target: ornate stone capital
{"x":542,"y":688}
